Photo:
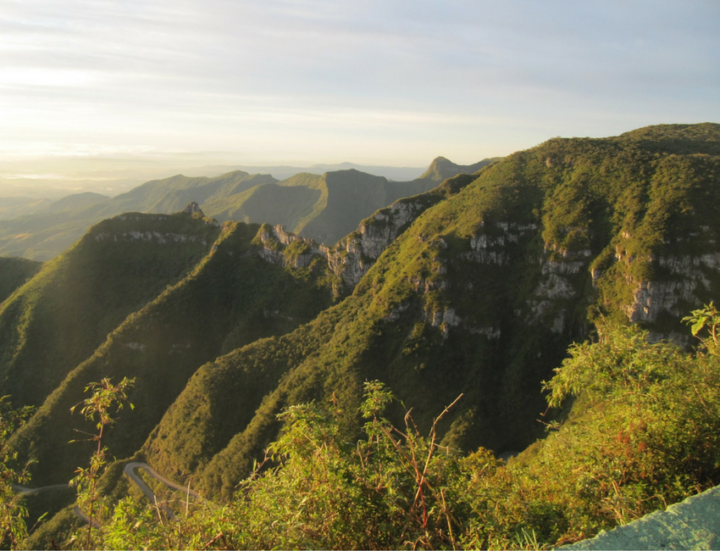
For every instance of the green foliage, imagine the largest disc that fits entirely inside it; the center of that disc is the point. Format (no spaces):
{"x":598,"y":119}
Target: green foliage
{"x":481,"y":294}
{"x":104,"y":402}
{"x":56,"y":532}
{"x":643,"y":433}
{"x":229,"y":298}
{"x":391,"y":490}
{"x":387,"y":491}
{"x":14,"y":272}
{"x":12,"y":509}
{"x":706,"y":319}
{"x":621,"y":357}
{"x":576,"y":227}
{"x":60,"y":317}
{"x":44,"y":504}
{"x":104,"y":397}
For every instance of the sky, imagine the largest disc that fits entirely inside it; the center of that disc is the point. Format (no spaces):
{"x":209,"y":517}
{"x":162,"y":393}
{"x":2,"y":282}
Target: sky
{"x":395,"y":82}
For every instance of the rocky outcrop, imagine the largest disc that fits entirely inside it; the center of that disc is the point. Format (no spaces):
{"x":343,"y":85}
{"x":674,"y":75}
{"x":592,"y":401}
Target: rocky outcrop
{"x":157,"y":237}
{"x":287,"y":249}
{"x":687,"y":275}
{"x":354,"y":255}
{"x":556,"y":286}
{"x":679,"y":281}
{"x":193,"y":208}
{"x":488,"y":245}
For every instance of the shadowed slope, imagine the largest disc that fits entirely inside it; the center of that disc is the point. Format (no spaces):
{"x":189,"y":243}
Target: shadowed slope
{"x":231,"y":297}
{"x":14,"y":272}
{"x":269,"y":203}
{"x":67,"y":310}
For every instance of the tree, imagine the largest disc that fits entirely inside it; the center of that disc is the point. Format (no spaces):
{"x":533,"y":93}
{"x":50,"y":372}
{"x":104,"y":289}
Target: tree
{"x":106,"y":399}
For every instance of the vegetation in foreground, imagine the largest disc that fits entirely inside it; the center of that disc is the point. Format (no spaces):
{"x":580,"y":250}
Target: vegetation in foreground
{"x":643,"y":431}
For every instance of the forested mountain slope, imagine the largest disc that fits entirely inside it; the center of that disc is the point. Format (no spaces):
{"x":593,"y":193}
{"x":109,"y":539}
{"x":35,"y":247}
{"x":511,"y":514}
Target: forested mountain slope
{"x":226,"y":297}
{"x":58,"y":318}
{"x":14,"y":272}
{"x":482,"y":295}
{"x":46,"y":234}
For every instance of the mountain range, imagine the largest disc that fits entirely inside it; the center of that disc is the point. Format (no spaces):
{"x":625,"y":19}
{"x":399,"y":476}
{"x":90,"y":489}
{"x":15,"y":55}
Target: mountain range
{"x":474,"y":287}
{"x":324,"y":207}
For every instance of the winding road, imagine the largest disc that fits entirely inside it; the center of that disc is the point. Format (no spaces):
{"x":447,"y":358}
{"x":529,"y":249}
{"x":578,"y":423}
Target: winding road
{"x":29,"y":491}
{"x":129,"y":470}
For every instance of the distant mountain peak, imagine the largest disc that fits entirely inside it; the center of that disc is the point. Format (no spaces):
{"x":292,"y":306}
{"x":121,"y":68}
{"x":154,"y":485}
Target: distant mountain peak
{"x":442,"y":168}
{"x":192,"y":208}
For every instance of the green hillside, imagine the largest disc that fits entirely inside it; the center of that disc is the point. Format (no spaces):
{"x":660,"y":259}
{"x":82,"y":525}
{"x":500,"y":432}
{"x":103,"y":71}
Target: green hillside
{"x":323,"y":207}
{"x":14,"y":272}
{"x":13,"y":207}
{"x":482,"y":295}
{"x":349,"y":196}
{"x":441,"y":169}
{"x":269,"y":203}
{"x":46,"y":234}
{"x":633,"y":443}
{"x":78,"y":201}
{"x":172,"y":194}
{"x":58,"y":318}
{"x":227,"y":297}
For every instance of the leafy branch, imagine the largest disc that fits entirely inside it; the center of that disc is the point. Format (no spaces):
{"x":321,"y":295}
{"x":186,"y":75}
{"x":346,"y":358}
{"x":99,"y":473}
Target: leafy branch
{"x":105,"y":401}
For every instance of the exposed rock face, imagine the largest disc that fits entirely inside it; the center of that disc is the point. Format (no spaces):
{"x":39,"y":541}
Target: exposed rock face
{"x":354,"y":255}
{"x":687,"y":276}
{"x":488,"y":245}
{"x":193,"y":208}
{"x":564,"y":275}
{"x":490,"y":332}
{"x":555,"y":287}
{"x":155,"y":236}
{"x":276,"y":247}
{"x":142,"y":227}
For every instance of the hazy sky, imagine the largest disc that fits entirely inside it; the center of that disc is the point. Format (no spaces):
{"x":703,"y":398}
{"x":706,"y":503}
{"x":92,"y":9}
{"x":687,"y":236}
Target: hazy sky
{"x":381,"y":81}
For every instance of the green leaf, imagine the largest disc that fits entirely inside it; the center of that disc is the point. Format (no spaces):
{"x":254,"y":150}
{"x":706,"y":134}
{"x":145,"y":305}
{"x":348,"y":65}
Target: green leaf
{"x":698,"y":326}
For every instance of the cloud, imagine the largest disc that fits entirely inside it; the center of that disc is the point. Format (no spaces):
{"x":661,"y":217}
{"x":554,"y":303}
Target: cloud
{"x":178,"y":74}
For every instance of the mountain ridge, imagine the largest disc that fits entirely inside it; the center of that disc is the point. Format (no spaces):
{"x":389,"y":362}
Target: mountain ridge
{"x":235,"y":195}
